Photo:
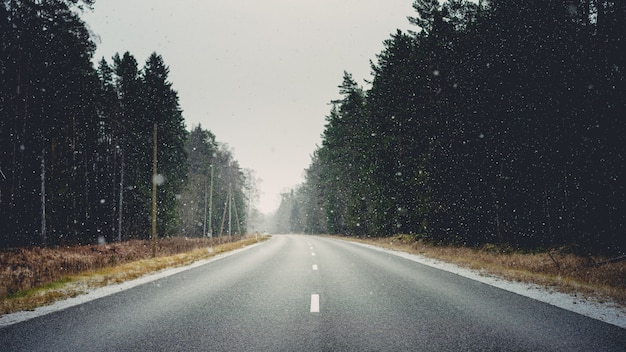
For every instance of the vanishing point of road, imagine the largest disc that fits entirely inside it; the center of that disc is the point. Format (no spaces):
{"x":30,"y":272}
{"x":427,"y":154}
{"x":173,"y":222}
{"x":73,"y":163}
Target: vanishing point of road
{"x":307,"y":293}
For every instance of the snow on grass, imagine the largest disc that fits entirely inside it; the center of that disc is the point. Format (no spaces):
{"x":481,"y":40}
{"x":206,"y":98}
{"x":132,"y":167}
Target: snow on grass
{"x":603,"y":311}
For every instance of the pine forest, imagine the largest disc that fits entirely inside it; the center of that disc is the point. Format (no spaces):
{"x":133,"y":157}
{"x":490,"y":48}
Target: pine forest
{"x":77,"y":141}
{"x":495,"y":122}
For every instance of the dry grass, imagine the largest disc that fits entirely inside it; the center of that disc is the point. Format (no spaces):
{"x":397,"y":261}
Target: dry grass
{"x":556,"y":270}
{"x":35,"y":277}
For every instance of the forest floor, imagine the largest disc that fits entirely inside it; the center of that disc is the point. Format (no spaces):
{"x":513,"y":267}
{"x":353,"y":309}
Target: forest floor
{"x":589,"y":277}
{"x":33,"y":277}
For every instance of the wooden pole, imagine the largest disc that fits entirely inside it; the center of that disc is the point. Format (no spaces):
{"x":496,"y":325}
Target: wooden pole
{"x":121,"y":200}
{"x":237,"y":220}
{"x":44,"y":238}
{"x":230,"y":210}
{"x":154,"y":192}
{"x":206,"y":196}
{"x":211,"y":205}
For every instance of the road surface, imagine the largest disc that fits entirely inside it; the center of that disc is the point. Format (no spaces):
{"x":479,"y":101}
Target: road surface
{"x":306,"y":293}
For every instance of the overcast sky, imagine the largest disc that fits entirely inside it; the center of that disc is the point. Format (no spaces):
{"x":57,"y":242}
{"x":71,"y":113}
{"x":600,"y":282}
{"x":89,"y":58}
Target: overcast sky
{"x":258,"y":73}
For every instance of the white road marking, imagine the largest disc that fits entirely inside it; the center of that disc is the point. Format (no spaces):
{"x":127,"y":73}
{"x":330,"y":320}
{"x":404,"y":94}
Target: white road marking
{"x":313,"y":254}
{"x":314,"y":266}
{"x":315,"y":303}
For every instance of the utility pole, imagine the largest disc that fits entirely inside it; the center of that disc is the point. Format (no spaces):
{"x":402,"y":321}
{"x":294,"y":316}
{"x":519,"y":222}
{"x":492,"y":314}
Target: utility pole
{"x":249,"y":212}
{"x":230,"y":209}
{"x":228,"y":205}
{"x":211,"y":205}
{"x":237,"y":220}
{"x":121,"y":199}
{"x":154,"y":192}
{"x":205,"y":208}
{"x":223,"y":218}
{"x":44,"y":238}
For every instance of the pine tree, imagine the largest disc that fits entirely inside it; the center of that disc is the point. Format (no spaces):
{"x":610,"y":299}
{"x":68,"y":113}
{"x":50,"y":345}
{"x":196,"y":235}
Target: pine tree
{"x":229,"y":194}
{"x":398,"y":144}
{"x":50,"y":81}
{"x":109,"y":154}
{"x":196,"y":207}
{"x":162,"y":109}
{"x":342,"y":156}
{"x":134,"y":148}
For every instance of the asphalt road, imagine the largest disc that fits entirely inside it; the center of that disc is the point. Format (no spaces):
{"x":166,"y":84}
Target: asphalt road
{"x":305,"y":293}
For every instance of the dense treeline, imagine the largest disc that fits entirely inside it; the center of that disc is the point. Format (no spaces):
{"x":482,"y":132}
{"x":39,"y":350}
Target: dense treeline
{"x":76,"y":141}
{"x":497,"y":121}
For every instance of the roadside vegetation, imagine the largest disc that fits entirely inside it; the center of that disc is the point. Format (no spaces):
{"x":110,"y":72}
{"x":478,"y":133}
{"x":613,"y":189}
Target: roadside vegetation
{"x":34,"y":277}
{"x":591,"y":277}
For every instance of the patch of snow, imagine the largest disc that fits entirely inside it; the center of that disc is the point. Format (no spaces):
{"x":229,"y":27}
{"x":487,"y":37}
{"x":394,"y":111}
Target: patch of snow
{"x":607,"y":312}
{"x":93,"y":294}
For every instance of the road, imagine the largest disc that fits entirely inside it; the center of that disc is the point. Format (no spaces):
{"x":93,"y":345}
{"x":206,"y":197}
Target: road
{"x":306,"y":293}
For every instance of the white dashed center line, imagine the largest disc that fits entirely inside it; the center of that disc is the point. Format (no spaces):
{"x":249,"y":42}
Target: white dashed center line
{"x":314,"y":266}
{"x":315,"y":303}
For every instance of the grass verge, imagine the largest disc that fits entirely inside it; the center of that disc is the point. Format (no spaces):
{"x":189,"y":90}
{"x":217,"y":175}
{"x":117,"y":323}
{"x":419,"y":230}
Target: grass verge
{"x":80,"y":281}
{"x":555,"y":270}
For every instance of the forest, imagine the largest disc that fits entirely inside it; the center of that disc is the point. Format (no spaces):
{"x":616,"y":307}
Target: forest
{"x":494,"y":122}
{"x":77,"y":141}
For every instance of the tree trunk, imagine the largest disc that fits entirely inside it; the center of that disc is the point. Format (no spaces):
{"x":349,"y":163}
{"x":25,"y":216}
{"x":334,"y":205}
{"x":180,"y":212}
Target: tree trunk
{"x":43,"y":196}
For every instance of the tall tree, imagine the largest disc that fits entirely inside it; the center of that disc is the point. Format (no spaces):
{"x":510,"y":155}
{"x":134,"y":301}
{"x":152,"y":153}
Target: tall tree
{"x":163,"y":110}
{"x":229,"y":194}
{"x":134,"y":141}
{"x":109,"y":154}
{"x":341,"y":154}
{"x":197,"y":208}
{"x":49,"y":84}
{"x":398,"y":143}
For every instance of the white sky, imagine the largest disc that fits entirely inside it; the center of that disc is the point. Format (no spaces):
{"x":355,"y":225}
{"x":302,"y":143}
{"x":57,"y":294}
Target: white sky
{"x":258,"y":73}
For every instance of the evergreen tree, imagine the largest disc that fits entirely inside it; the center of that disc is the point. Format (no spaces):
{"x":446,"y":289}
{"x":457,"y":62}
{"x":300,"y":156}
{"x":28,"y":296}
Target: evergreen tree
{"x":108,"y":177}
{"x":342,"y":154}
{"x":229,"y":194}
{"x":314,"y":206}
{"x":135,"y":136}
{"x":196,"y":213}
{"x":163,"y":110}
{"x":50,"y":83}
{"x":398,"y":144}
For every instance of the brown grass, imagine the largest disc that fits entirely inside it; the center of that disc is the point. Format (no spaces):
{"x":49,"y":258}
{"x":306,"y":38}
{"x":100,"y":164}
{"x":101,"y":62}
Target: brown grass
{"x":556,"y":270}
{"x":32,"y":277}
